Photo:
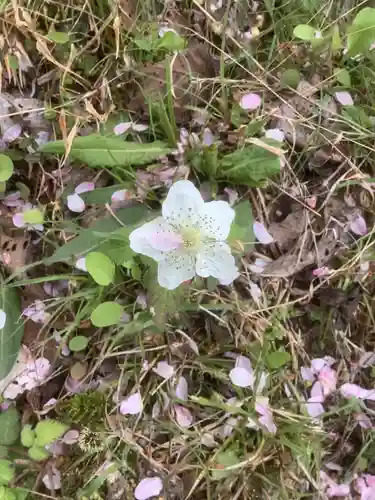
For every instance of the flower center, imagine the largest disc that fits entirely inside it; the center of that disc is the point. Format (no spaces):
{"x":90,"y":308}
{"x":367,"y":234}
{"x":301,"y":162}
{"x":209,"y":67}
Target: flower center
{"x":191,"y":238}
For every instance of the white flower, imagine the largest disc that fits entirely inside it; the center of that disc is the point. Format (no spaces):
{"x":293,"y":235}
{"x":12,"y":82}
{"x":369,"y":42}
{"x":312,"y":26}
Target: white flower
{"x":188,"y":239}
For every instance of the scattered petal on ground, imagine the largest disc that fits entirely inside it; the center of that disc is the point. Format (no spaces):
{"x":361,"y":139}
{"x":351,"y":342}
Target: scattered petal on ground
{"x":133,"y":405}
{"x":81,"y":264}
{"x":12,"y":133}
{"x":250,"y":101}
{"x":52,"y":480}
{"x":344,"y":98}
{"x":148,"y":487}
{"x":261,"y":234}
{"x":122,"y":127}
{"x":183,"y":415}
{"x":276,"y":134}
{"x":359,"y":226}
{"x":182,"y":389}
{"x":75,"y":203}
{"x":164,"y":369}
{"x":241,"y":377}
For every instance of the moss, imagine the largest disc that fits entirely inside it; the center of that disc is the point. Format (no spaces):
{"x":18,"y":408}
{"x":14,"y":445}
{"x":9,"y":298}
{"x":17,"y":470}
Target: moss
{"x":86,"y":409}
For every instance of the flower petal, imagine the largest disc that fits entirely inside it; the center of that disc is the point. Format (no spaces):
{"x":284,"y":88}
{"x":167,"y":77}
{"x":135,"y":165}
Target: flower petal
{"x":81,"y":264}
{"x":344,"y":98}
{"x":338,"y":490}
{"x":3,"y":318}
{"x":241,"y":377}
{"x":75,"y":203}
{"x":216,"y":260}
{"x":244,"y":362}
{"x":140,"y":238}
{"x":314,"y":408}
{"x":255,"y":291}
{"x":182,"y":389}
{"x":148,"y":487}
{"x":122,"y":127}
{"x":165,"y":241}
{"x":71,"y":437}
{"x":164,"y":369}
{"x":52,"y":481}
{"x":307,"y":374}
{"x":183,"y":416}
{"x":208,"y":137}
{"x":183,"y":203}
{"x":12,"y":133}
{"x":176,"y":267}
{"x":359,"y":226}
{"x":276,"y":134}
{"x":133,"y":405}
{"x":18,"y":220}
{"x":363,"y":420}
{"x":120,"y":196}
{"x":84,"y":187}
{"x":216,"y":218}
{"x":354,"y":391}
{"x":139,"y":127}
{"x":261,"y":234}
{"x":250,"y":101}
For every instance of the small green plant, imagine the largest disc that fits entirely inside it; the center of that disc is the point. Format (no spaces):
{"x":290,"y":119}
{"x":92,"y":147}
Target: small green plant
{"x":87,"y":409}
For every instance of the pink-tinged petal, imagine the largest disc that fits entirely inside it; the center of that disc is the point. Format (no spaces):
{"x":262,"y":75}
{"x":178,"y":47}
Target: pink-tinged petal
{"x":164,"y":369}
{"x":52,"y":481}
{"x":81,"y":264}
{"x":13,"y":200}
{"x":18,"y":220}
{"x":321,"y":271}
{"x":75,"y":203}
{"x":338,"y":490}
{"x":71,"y":437}
{"x":344,"y":98}
{"x":307,"y":374}
{"x":314,"y":408}
{"x":139,"y":127}
{"x":370,"y":480}
{"x":358,"y":226}
{"x":317,"y":392}
{"x":258,"y":266}
{"x":267,"y":421}
{"x":208,"y":137}
{"x":182,"y":389}
{"x":183,"y":416}
{"x":12,"y":133}
{"x":13,"y":390}
{"x":148,"y":487}
{"x":122,"y":127}
{"x":165,"y":241}
{"x":133,"y":405}
{"x":328,"y":378}
{"x":84,"y":187}
{"x":244,"y":362}
{"x":261,"y":234}
{"x":255,"y":292}
{"x":250,"y":101}
{"x":120,"y":196}
{"x":276,"y":134}
{"x":318,"y":364}
{"x":241,"y":377}
{"x":363,"y":420}
{"x":354,"y":391}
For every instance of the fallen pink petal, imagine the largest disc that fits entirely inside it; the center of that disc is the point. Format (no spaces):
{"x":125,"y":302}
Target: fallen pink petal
{"x":276,"y":134}
{"x":75,"y":203}
{"x":52,"y":480}
{"x":122,"y":127}
{"x":164,"y":370}
{"x":132,"y":405}
{"x":359,"y":226}
{"x":261,"y":234}
{"x":344,"y":98}
{"x":250,"y":101}
{"x":84,"y":187}
{"x":12,"y":133}
{"x":182,"y":389}
{"x":148,"y":487}
{"x":183,"y":415}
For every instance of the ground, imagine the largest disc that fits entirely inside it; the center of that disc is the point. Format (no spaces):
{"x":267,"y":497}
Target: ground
{"x":225,"y":351}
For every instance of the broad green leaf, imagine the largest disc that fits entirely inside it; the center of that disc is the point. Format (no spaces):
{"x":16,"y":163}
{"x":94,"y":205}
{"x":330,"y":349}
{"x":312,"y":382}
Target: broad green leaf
{"x":100,"y":267}
{"x":277,"y":359}
{"x":6,"y":168}
{"x":10,"y":427}
{"x":100,"y":151}
{"x":361,"y":34}
{"x":358,"y":115}
{"x":223,"y":460}
{"x":7,"y":472}
{"x":12,"y":332}
{"x":290,"y":78}
{"x":171,"y":41}
{"x":38,"y":453}
{"x":7,"y":493}
{"x":59,"y":37}
{"x":48,"y":431}
{"x":241,"y":236}
{"x":118,"y":251}
{"x":27,"y":436}
{"x":251,"y":165}
{"x":106,"y":314}
{"x":33,"y":216}
{"x":78,"y":343}
{"x":336,"y":43}
{"x":342,"y":75}
{"x":304,"y":32}
{"x":90,"y":239}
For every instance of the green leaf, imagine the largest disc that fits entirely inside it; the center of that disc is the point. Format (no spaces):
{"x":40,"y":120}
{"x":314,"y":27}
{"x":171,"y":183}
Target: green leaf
{"x":101,"y":196}
{"x":106,"y":314}
{"x":241,"y":236}
{"x":7,"y":472}
{"x":342,"y":76}
{"x":101,"y":268}
{"x":290,"y":78}
{"x":12,"y":332}
{"x":48,"y":431}
{"x":250,"y":165}
{"x":361,"y":34}
{"x":336,"y":43}
{"x":38,"y":453}
{"x":304,"y":32}
{"x":78,"y":343}
{"x":33,"y":216}
{"x":90,"y":239}
{"x":27,"y":436}
{"x":59,"y":37}
{"x":10,"y":427}
{"x":171,"y":41}
{"x":100,"y":151}
{"x":224,"y":459}
{"x":6,"y":168}
{"x":277,"y":359}
{"x":118,"y":251}
{"x":7,"y":494}
{"x":358,"y":115}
